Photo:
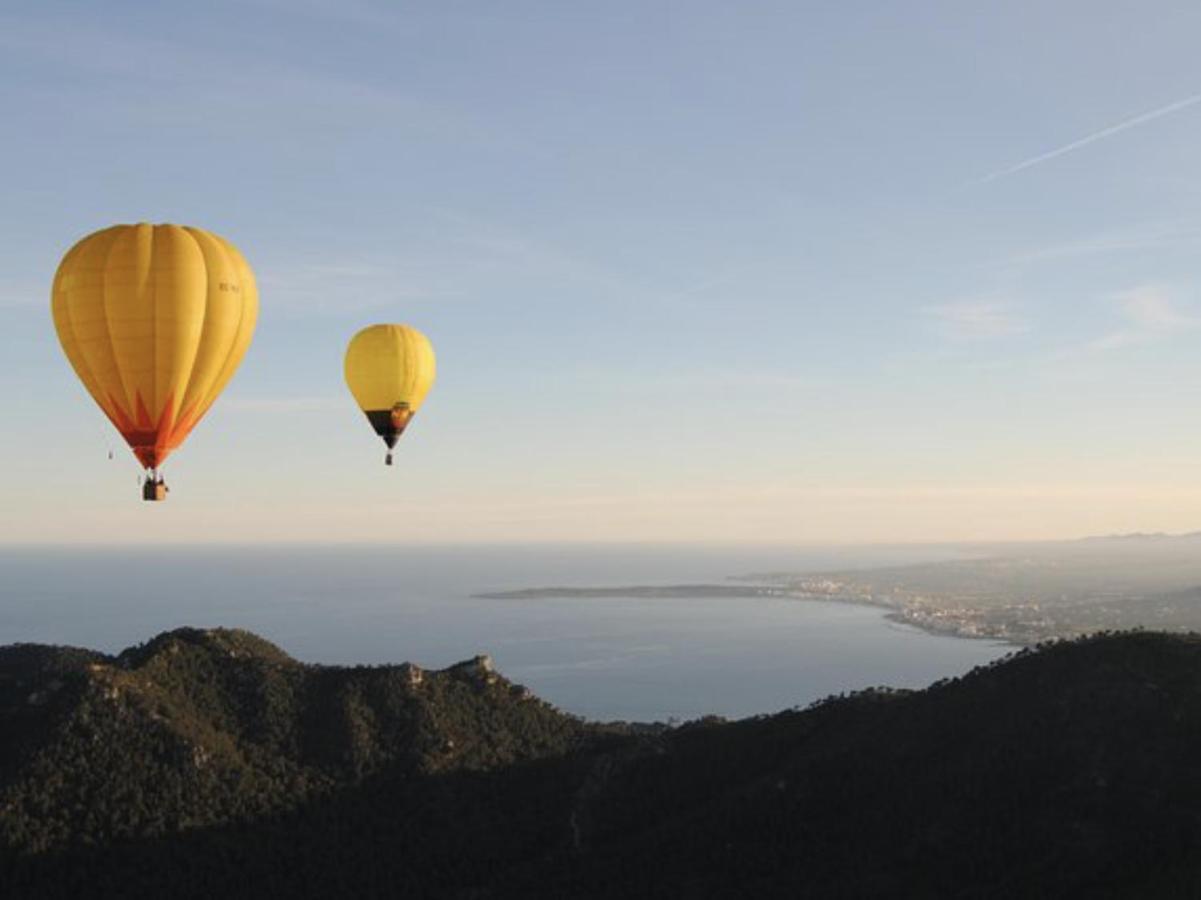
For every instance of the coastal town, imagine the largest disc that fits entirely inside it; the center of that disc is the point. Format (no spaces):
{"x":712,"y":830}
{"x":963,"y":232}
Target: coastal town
{"x":1054,"y":590}
{"x":1020,"y":594}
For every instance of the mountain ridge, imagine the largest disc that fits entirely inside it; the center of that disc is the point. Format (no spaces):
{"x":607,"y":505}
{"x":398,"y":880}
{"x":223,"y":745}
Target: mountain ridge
{"x":1065,"y":769}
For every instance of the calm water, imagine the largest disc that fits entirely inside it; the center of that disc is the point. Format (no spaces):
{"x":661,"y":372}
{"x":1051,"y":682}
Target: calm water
{"x":602,"y":658}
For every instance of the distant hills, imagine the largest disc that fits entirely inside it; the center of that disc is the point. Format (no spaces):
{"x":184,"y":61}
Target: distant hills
{"x":1146,"y":536}
{"x":1027,"y":593}
{"x":1020,"y":593}
{"x":211,"y":764}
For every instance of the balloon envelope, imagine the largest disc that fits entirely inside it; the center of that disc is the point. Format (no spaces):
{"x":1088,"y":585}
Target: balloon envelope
{"x":155,"y":320}
{"x":389,"y":370}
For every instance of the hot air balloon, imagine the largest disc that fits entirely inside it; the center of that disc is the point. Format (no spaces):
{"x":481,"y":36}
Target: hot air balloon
{"x":389,"y":369}
{"x":155,"y":320}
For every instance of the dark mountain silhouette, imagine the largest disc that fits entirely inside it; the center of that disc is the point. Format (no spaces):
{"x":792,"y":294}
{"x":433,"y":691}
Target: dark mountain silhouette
{"x":210,"y":764}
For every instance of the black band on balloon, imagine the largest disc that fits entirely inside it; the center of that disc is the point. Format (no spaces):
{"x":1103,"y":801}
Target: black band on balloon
{"x":388,"y":424}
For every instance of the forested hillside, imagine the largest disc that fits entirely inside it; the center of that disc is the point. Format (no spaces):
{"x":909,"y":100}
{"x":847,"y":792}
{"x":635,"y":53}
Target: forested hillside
{"x":209,"y":763}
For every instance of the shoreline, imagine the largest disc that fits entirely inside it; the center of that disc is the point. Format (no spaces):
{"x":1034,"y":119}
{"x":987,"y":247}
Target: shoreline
{"x":962,"y":626}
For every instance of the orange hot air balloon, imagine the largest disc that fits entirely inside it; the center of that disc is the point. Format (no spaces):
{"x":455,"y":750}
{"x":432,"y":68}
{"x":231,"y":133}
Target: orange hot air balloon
{"x":155,"y":320}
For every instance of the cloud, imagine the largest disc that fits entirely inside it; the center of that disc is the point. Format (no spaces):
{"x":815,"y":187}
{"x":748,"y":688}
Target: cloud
{"x":976,"y":319}
{"x":1117,"y":128}
{"x":1151,"y":310}
{"x":1150,"y":314}
{"x":1145,"y":237}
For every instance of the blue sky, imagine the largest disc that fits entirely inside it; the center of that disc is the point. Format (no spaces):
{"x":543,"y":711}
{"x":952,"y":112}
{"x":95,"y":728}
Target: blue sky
{"x":732,"y":272}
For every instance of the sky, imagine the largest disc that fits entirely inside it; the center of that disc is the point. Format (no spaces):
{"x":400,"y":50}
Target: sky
{"x":767,"y":272}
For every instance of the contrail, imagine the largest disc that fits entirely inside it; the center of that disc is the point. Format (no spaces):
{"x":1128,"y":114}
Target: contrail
{"x":1095,"y":136}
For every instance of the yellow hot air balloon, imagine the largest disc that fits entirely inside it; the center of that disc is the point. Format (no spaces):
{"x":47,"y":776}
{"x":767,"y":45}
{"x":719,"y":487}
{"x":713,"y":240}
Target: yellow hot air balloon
{"x":389,"y":369}
{"x":155,"y":320}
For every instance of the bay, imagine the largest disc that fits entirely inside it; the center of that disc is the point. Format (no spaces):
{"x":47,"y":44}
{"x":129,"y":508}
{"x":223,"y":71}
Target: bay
{"x":602,"y":658}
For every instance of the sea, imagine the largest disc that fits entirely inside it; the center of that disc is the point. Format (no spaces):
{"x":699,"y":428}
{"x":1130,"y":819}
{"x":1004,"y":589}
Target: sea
{"x":610,"y":658}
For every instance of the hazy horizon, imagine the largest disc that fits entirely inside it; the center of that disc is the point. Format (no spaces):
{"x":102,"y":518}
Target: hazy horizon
{"x":624,"y":657}
{"x":613,"y":544}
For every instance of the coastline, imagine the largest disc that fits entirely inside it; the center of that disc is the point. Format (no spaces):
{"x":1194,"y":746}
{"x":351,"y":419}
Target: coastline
{"x":966,"y":623}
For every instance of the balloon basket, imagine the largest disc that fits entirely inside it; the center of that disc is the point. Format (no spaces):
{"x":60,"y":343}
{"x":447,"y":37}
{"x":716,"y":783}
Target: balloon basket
{"x":154,"y":490}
